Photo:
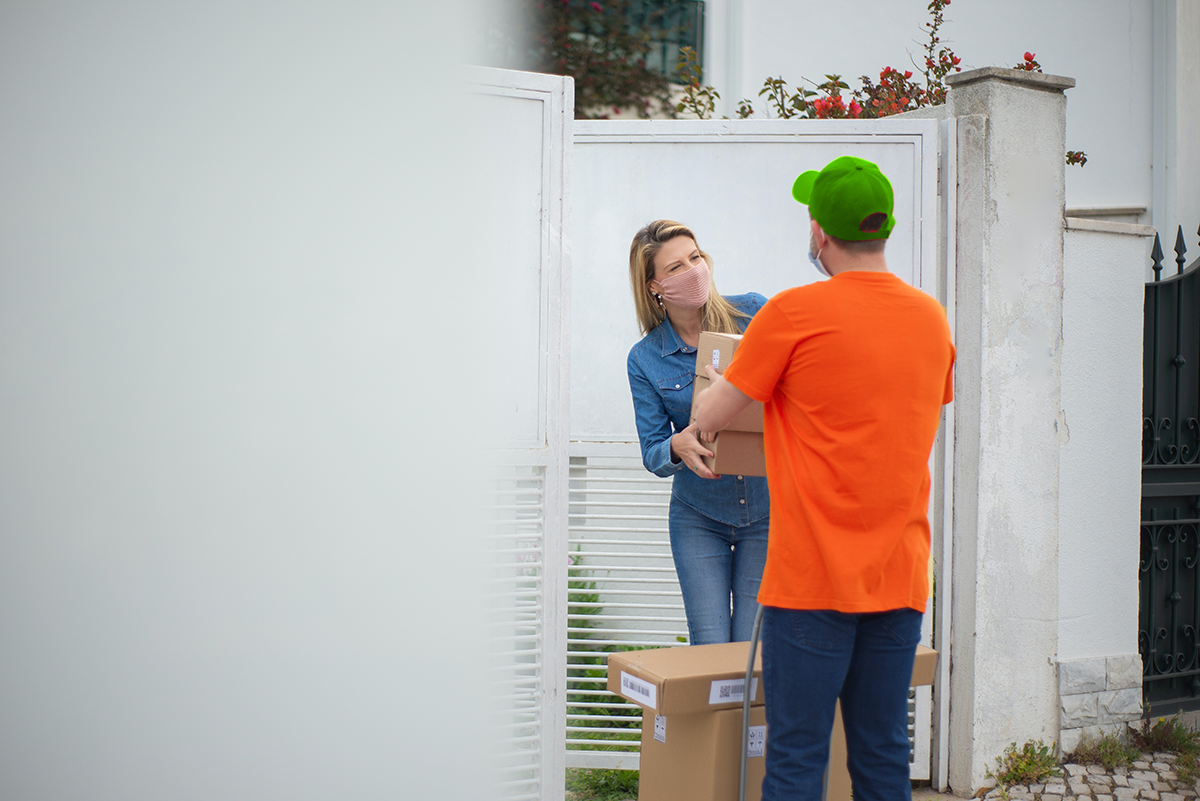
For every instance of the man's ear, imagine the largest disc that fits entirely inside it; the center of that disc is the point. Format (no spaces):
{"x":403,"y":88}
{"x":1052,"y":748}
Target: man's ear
{"x":819,"y":235}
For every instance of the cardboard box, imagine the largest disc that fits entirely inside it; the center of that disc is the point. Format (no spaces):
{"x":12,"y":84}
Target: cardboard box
{"x":690,"y":748}
{"x":738,"y":449}
{"x":924,"y":669}
{"x":695,"y":757}
{"x":715,"y":349}
{"x":684,"y":681}
{"x":748,"y":419}
{"x":740,"y":453}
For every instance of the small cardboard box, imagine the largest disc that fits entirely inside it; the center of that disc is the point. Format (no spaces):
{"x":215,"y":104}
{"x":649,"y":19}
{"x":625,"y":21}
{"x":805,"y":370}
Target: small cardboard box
{"x":748,"y":419}
{"x":738,"y":448}
{"x":695,"y":757}
{"x":684,"y":681}
{"x":739,"y":453}
{"x":715,"y":349}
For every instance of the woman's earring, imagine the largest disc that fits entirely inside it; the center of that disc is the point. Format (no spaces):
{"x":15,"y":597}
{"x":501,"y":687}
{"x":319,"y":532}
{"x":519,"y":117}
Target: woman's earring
{"x":658,"y":298}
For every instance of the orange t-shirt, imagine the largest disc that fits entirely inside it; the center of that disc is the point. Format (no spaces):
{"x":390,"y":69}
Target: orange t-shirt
{"x":853,"y":373}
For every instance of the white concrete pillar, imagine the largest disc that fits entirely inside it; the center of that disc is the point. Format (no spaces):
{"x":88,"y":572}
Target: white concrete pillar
{"x":1008,"y":426}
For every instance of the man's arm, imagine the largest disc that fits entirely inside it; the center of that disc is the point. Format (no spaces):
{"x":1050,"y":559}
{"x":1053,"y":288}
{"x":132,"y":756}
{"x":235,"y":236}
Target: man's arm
{"x":718,"y":404}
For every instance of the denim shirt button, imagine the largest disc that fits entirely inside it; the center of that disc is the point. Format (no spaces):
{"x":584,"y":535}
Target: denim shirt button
{"x":742,"y":500}
{"x":740,"y":478}
{"x":676,"y":386}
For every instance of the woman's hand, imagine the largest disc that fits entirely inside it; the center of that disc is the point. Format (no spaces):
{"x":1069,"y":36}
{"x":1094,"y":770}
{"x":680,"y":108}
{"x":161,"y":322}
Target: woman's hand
{"x":687,"y":448}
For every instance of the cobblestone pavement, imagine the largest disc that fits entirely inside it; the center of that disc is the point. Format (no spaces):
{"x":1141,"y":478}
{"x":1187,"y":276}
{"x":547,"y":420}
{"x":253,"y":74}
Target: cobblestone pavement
{"x":1152,"y":778}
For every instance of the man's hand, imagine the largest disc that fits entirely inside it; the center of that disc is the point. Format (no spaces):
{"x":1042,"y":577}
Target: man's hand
{"x":688,"y":449}
{"x":718,"y":404}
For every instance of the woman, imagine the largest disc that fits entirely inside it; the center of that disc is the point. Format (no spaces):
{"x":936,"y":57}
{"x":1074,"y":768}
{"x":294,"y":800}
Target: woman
{"x":718,"y":524}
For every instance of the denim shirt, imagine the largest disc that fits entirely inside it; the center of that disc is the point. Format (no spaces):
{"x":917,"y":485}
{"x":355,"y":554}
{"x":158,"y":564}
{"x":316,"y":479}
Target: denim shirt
{"x":661,"y":369}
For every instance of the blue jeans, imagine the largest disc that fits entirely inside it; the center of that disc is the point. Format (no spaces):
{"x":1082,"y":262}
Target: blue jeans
{"x":810,"y":659}
{"x":717,"y":564}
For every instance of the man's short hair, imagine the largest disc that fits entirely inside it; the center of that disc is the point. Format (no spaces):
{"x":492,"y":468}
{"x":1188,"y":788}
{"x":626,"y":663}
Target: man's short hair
{"x":860,"y":246}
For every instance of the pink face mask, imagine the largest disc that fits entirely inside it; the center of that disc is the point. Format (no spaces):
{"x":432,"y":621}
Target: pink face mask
{"x":688,"y":289}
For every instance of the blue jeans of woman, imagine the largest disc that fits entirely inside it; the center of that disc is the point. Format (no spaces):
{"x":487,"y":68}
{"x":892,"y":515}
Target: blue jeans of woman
{"x":719,"y":568}
{"x":812,"y":658}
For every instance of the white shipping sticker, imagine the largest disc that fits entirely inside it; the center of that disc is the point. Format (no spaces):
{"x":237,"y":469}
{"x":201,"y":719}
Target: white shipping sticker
{"x":756,"y":744}
{"x":716,"y":360}
{"x":660,"y":728}
{"x":639,"y":690}
{"x":728,"y":691}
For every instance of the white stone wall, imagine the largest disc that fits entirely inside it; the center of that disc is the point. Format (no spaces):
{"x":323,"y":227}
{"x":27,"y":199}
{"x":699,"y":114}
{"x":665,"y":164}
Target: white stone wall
{"x":1109,"y":46}
{"x":1097,"y":695}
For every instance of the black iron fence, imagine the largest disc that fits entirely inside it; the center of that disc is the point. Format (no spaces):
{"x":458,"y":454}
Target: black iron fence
{"x":1169,"y":568}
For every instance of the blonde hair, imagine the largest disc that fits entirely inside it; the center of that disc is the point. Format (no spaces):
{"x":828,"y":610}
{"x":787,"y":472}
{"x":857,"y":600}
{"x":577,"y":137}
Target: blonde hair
{"x":719,"y":314}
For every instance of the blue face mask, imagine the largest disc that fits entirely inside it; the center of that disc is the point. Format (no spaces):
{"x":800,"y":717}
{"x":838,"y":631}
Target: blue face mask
{"x":816,"y":262}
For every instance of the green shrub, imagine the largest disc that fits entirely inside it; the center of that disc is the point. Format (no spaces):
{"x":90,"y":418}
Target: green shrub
{"x":1033,"y":763}
{"x":586,"y":784}
{"x":1165,"y":734}
{"x":1109,"y":751}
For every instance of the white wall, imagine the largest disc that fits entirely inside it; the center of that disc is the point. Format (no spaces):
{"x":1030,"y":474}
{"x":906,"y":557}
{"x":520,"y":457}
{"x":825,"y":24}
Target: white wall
{"x":1100,"y":459}
{"x":238,"y":328}
{"x":731,"y":183}
{"x":1104,"y":44}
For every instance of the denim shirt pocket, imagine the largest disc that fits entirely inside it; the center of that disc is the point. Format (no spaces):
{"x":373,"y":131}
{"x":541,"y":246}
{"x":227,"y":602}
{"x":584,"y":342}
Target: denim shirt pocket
{"x":676,"y":393}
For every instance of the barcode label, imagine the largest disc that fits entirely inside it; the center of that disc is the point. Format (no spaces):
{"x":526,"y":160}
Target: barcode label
{"x":660,"y":728}
{"x":638,"y":690}
{"x":756,"y":744}
{"x":728,"y":691}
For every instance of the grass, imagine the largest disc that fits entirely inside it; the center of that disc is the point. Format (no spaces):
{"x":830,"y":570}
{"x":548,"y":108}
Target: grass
{"x":1110,"y":751}
{"x":587,"y":784}
{"x":1032,"y":763}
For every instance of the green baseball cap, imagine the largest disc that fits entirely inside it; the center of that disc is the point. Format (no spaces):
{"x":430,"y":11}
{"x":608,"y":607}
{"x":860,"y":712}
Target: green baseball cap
{"x":849,"y":198}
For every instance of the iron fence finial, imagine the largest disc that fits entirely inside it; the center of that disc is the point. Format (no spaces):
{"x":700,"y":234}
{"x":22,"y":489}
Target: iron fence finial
{"x":1157,"y":255}
{"x":1180,"y":249}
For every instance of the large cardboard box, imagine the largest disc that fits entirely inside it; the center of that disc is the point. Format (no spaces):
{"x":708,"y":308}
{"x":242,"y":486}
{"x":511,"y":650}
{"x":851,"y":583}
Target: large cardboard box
{"x":738,"y":449}
{"x":683,"y":681}
{"x":691,"y":729}
{"x":695,"y":757}
{"x":692,"y":720}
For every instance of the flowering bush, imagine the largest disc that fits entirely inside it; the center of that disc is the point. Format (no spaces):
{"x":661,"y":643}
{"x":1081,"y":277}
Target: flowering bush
{"x":1029,"y":65}
{"x":894,"y":93}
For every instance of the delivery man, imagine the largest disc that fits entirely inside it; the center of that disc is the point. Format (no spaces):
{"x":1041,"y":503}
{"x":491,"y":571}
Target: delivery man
{"x":853,"y":373}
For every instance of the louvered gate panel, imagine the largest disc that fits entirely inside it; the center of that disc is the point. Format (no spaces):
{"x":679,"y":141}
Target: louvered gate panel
{"x":516,"y":626}
{"x":622,"y":594}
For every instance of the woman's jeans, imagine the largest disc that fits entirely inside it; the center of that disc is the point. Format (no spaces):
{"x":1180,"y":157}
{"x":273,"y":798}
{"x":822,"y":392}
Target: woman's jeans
{"x":810,"y":659}
{"x":717,"y":562}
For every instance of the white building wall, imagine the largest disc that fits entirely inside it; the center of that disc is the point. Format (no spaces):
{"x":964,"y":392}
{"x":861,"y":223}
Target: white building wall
{"x":1106,"y":45}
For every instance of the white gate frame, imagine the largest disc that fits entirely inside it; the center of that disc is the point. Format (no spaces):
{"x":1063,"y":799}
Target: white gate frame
{"x":537,"y":713}
{"x":934,"y":274}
